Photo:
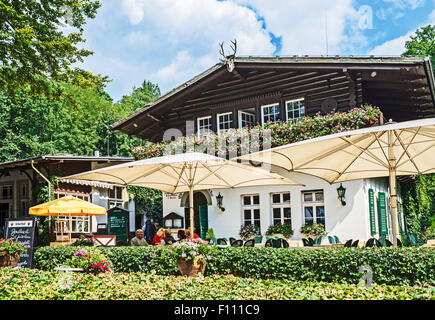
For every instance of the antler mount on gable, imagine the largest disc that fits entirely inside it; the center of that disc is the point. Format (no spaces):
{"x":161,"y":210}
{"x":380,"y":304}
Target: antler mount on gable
{"x":228,"y":60}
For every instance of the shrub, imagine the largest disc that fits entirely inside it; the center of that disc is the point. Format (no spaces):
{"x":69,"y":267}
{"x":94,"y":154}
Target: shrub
{"x":89,"y":260}
{"x":20,"y":284}
{"x":315,"y":230}
{"x":10,"y":247}
{"x":285,"y":229}
{"x":248,"y":231}
{"x":393,"y":266}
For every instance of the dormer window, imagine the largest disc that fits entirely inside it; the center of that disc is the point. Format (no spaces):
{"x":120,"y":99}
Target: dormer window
{"x":295,"y":109}
{"x":270,"y":113}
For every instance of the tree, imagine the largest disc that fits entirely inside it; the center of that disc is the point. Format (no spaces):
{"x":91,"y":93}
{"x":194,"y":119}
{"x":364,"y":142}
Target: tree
{"x":35,"y":44}
{"x":422,"y":44}
{"x":418,"y":195}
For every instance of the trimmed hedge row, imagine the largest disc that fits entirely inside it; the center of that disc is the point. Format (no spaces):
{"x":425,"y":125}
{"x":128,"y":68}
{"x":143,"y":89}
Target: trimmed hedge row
{"x":392,"y":266}
{"x":24,"y":284}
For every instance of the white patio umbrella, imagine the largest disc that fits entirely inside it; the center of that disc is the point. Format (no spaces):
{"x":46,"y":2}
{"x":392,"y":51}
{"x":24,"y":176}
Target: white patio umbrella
{"x":394,"y":149}
{"x":186,"y":172}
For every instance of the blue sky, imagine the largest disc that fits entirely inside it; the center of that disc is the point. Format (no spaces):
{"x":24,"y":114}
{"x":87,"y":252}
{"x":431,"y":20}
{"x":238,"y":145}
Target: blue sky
{"x":170,"y":41}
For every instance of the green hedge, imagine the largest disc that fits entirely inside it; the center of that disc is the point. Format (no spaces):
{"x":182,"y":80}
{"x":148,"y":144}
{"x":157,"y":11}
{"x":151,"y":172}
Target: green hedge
{"x":392,"y":266}
{"x":24,"y":284}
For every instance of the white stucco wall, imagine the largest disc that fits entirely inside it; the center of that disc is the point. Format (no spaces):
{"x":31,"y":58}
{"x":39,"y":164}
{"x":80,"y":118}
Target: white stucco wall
{"x":347,"y":222}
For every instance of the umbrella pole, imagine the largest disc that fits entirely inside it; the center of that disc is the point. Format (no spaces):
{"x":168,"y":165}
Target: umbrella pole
{"x":393,"y":186}
{"x":191,"y":212}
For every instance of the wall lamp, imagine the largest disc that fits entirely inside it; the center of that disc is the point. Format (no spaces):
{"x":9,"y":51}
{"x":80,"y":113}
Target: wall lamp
{"x":219,"y":199}
{"x":341,"y":191}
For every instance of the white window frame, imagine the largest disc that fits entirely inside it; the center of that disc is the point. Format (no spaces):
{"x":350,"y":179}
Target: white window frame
{"x":276,"y":114}
{"x":116,"y":202}
{"x":298,"y":108}
{"x":281,"y":205}
{"x":251,"y":207}
{"x":314,"y":204}
{"x":82,"y":224}
{"x":250,"y":124}
{"x":202,"y":132}
{"x":219,"y":130}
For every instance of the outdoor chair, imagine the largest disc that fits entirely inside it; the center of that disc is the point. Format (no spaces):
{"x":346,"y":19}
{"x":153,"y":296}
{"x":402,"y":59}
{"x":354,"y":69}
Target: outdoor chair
{"x":331,"y":240}
{"x":249,"y":243}
{"x":237,"y":243}
{"x":378,"y":243}
{"x":355,"y":244}
{"x":305,"y":242}
{"x":311,"y":241}
{"x":382,"y":241}
{"x":276,"y":243}
{"x":370,"y":243}
{"x":399,"y":243}
{"x":284,"y":243}
{"x":318,"y":241}
{"x":268,"y":243}
{"x":336,"y":239}
{"x":221,"y":241}
{"x":413,"y":241}
{"x":348,"y":243}
{"x":232,"y":240}
{"x":388,"y":243}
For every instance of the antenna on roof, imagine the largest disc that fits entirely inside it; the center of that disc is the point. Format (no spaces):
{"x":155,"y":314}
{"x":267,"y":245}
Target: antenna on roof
{"x":326,"y":32}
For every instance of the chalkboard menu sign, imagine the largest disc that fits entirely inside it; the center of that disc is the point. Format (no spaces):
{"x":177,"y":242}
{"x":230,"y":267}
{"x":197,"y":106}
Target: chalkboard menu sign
{"x":25,"y":231}
{"x":118,"y":223}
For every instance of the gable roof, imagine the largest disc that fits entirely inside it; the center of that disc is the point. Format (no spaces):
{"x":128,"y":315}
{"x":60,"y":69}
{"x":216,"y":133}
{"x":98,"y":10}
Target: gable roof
{"x":147,"y":114}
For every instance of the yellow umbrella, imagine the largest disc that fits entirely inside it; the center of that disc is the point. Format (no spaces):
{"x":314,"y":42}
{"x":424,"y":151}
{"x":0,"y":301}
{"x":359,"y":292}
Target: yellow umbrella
{"x":67,"y":206}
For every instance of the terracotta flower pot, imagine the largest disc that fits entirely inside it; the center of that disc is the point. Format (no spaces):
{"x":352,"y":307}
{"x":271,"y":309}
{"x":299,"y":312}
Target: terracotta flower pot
{"x":191,"y":268}
{"x":9,"y":260}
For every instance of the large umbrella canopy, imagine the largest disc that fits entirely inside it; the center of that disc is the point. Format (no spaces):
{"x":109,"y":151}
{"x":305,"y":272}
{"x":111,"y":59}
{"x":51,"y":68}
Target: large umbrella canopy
{"x":67,"y":206}
{"x":406,"y":148}
{"x":185,"y":173}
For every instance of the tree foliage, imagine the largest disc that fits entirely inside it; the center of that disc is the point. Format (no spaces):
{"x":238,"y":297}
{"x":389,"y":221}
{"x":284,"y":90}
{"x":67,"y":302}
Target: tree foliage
{"x":419,"y":194}
{"x":40,"y":40}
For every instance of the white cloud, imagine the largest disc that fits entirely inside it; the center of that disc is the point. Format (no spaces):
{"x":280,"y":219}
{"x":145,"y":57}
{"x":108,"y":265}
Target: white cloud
{"x":407,"y":4}
{"x":397,"y":46}
{"x":302,"y":24}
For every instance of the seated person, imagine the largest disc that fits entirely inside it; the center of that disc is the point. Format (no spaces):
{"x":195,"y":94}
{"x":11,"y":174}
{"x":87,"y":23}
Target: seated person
{"x":159,"y":238}
{"x":187,"y":233}
{"x":169,"y":239}
{"x":139,"y":240}
{"x":181,"y":235}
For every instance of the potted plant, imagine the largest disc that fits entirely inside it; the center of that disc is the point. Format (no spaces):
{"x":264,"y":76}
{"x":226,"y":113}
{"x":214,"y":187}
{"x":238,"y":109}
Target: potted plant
{"x":249,"y":231}
{"x":10,"y":252}
{"x":280,"y":230}
{"x":313,"y":231}
{"x":192,"y":256}
{"x":210,"y":235}
{"x":91,"y":261}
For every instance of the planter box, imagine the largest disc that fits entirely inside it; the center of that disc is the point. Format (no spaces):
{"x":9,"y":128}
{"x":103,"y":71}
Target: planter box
{"x":191,"y":268}
{"x":10,"y":260}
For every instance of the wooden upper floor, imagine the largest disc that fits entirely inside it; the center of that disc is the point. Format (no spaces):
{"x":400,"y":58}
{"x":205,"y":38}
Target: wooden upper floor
{"x":259,"y":90}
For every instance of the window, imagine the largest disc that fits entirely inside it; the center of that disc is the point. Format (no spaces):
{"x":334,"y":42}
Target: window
{"x":246,"y":119}
{"x":204,"y":126}
{"x":270,"y":113}
{"x":6,"y":192}
{"x":85,"y":197}
{"x":115,"y":197}
{"x":24,"y":198}
{"x":78,"y":224}
{"x":251,"y":209}
{"x":295,"y":110}
{"x":313,"y":204}
{"x":281,"y":210}
{"x":224,"y":121}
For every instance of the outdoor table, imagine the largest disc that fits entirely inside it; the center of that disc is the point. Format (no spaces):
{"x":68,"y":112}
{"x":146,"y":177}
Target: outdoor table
{"x":222,"y":246}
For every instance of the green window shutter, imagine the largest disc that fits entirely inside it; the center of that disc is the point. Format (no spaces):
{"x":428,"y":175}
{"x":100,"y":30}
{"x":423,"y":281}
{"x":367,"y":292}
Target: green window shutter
{"x":372,"y":212}
{"x":382,"y":210}
{"x":399,"y":209}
